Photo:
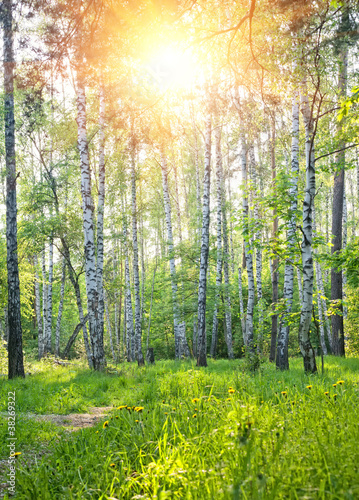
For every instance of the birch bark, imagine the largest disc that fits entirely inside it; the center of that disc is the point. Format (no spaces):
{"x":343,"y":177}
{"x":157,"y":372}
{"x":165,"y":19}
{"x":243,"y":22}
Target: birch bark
{"x":130,"y":331}
{"x":15,"y":356}
{"x":96,"y":335}
{"x":284,"y":326}
{"x":49,"y":296}
{"x":226,"y":259}
{"x":217,"y":140}
{"x":257,"y":238}
{"x":38,"y":310}
{"x":307,"y":230}
{"x":109,"y":326}
{"x":100,"y":220}
{"x":44,"y":300}
{"x":136,"y":275}
{"x":247,"y":250}
{"x":202,"y":282}
{"x":181,"y":348}
{"x":61,"y":305}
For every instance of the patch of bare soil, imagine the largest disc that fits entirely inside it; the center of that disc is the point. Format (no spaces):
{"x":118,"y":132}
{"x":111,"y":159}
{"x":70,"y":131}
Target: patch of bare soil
{"x":75,"y":421}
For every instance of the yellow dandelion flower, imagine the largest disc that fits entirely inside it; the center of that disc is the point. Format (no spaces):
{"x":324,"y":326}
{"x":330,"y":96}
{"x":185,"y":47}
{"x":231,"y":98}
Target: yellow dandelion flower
{"x":105,"y":424}
{"x":136,"y":421}
{"x":262,"y":401}
{"x":228,"y":399}
{"x":326,"y":393}
{"x":194,"y":416}
{"x":195,"y":400}
{"x":96,"y":432}
{"x":16,"y":454}
{"x":309,"y":387}
{"x":116,"y":416}
{"x":166,"y":413}
{"x":335,"y":396}
{"x":122,"y":407}
{"x":231,"y":391}
{"x":173,"y":409}
{"x":334,"y":385}
{"x":139,"y":409}
{"x":340,"y":382}
{"x":112,"y":465}
{"x":283,"y":393}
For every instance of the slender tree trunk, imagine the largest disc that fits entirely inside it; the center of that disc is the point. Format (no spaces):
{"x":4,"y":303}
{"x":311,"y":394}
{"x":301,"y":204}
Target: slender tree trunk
{"x":96,"y":334}
{"x":15,"y":356}
{"x":337,"y":213}
{"x":202,"y":282}
{"x":283,"y":336}
{"x":257,"y":237}
{"x":109,"y":326}
{"x":241,"y":306}
{"x":275,"y":260}
{"x":217,"y":140}
{"x":136,"y":275}
{"x":179,"y":332}
{"x":61,"y":304}
{"x":73,"y":337}
{"x":143,"y":274}
{"x":130,"y":332}
{"x":307,"y":230}
{"x":149,"y":319}
{"x":44,"y":301}
{"x":38,"y":310}
{"x":247,"y":251}
{"x":100,"y":222}
{"x":48,"y":339}
{"x":319,"y":295}
{"x":227,"y":291}
{"x":345,"y":237}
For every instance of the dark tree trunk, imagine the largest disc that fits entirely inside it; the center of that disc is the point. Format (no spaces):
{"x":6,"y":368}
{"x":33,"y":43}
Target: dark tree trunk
{"x":73,"y":337}
{"x":337,"y":214}
{"x":15,"y":356}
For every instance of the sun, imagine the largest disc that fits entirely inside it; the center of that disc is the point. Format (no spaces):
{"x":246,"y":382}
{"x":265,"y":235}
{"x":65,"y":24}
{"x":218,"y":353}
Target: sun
{"x":173,"y":68}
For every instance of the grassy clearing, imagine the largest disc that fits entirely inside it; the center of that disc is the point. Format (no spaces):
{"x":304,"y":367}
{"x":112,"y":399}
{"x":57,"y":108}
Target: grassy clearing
{"x":188,"y":433}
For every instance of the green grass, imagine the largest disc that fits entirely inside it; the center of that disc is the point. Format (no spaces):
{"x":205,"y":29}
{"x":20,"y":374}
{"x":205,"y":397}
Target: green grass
{"x":270,"y":438}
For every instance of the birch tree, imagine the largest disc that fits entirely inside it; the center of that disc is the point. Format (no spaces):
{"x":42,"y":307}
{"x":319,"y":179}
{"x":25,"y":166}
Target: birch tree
{"x":202,"y":282}
{"x":181,"y":348}
{"x":284,"y":325}
{"x":61,"y":305}
{"x":15,"y":355}
{"x":136,"y":274}
{"x":217,"y":139}
{"x":307,"y":230}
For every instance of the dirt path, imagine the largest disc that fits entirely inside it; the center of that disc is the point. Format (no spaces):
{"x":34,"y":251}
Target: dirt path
{"x":75,"y":421}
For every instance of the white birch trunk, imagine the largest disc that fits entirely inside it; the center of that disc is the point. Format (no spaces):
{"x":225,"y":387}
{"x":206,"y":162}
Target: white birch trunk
{"x":61,"y":305}
{"x":202,"y":282}
{"x":344,"y":244}
{"x":307,"y":230}
{"x":151,"y":302}
{"x":44,"y":301}
{"x":96,"y":335}
{"x":257,"y":237}
{"x":226,"y":259}
{"x":300,"y":286}
{"x":49,"y":296}
{"x":136,"y":274}
{"x":109,"y":326}
{"x":181,"y":348}
{"x":217,"y":140}
{"x":100,"y":220}
{"x":247,"y":251}
{"x":40,"y":341}
{"x":241,"y":306}
{"x":282,"y":362}
{"x":130,"y":331}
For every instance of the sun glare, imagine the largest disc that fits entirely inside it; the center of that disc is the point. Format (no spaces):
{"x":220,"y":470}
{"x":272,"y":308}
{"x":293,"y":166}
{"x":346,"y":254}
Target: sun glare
{"x":172,"y":67}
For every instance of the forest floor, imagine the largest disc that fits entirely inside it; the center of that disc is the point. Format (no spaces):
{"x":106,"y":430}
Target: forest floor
{"x":175,"y":431}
